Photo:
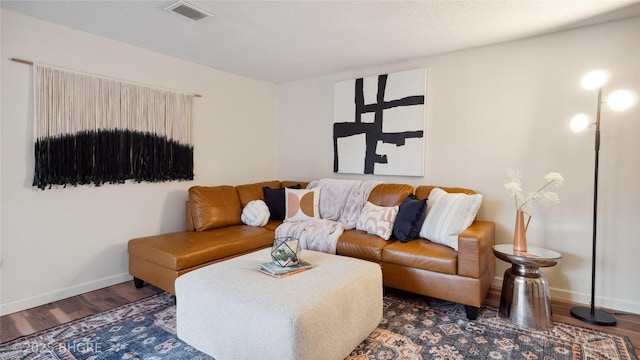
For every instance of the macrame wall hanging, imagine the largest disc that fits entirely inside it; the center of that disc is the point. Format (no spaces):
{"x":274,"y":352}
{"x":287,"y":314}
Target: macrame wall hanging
{"x":92,"y":130}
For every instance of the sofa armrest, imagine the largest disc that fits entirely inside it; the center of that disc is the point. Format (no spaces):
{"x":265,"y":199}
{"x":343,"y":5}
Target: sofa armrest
{"x":474,"y":248}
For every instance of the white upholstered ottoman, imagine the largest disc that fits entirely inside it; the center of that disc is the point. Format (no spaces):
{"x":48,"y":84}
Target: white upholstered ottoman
{"x":230,"y":310}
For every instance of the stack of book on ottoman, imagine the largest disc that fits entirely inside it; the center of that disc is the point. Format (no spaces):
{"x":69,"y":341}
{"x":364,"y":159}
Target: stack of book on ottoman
{"x":274,"y":269}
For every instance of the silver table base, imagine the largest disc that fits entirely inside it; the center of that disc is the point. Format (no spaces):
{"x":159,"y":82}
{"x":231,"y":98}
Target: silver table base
{"x":525,"y":299}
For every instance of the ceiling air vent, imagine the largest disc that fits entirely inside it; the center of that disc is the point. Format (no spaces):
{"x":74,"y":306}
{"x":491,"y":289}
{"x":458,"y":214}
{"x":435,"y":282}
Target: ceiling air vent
{"x":191,"y":11}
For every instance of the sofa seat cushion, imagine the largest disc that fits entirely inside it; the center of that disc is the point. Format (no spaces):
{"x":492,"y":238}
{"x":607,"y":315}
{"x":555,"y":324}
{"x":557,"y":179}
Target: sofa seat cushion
{"x":422,"y":254}
{"x":183,"y":250}
{"x":359,"y":244}
{"x":273,"y":224}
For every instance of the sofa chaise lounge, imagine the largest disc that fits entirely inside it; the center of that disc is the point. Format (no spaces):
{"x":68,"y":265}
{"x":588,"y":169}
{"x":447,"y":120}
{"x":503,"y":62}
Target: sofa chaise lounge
{"x":214,"y":232}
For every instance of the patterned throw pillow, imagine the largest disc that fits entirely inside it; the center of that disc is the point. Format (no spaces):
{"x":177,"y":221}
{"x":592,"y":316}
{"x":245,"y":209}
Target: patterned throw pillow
{"x":377,"y":220}
{"x":302,"y":205}
{"x":448,"y":215}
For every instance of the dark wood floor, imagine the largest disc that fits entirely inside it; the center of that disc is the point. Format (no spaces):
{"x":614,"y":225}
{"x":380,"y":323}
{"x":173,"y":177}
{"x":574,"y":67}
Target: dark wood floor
{"x":46,"y":316}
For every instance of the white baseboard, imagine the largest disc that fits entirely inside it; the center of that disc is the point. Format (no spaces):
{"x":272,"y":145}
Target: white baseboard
{"x":585,"y":299}
{"x":60,"y":294}
{"x":42,"y":299}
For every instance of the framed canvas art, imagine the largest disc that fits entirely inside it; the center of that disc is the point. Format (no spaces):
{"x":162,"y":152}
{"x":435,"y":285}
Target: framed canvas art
{"x":379,"y":124}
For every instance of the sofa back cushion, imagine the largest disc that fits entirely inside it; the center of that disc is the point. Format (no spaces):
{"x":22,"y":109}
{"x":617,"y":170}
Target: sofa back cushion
{"x":214,"y":206}
{"x":423,"y":191}
{"x":390,"y":194}
{"x":289,"y":183}
{"x":250,"y":192}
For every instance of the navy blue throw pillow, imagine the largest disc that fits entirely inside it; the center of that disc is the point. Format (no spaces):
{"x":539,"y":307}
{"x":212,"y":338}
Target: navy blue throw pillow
{"x":274,"y":198}
{"x":411,"y":215}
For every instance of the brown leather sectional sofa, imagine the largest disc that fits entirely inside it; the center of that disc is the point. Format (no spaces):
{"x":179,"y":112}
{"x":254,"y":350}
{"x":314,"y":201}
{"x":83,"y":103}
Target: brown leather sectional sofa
{"x":215,"y":233}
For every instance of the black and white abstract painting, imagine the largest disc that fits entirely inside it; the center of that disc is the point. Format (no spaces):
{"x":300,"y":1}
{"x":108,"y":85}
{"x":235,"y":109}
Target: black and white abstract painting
{"x":379,"y":124}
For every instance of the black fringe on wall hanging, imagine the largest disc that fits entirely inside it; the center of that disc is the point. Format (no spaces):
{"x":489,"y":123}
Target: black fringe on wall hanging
{"x":95,"y":131}
{"x":110,"y":157}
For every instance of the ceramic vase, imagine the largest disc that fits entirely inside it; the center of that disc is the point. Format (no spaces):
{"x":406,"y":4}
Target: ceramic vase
{"x":520,"y":232}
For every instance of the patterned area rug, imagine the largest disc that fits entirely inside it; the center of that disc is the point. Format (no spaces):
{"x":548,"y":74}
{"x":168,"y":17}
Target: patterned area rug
{"x":417,"y":327}
{"x":413,"y":328}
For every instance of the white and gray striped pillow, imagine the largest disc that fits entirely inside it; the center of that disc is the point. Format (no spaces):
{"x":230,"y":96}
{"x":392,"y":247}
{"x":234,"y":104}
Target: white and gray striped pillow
{"x":448,"y":215}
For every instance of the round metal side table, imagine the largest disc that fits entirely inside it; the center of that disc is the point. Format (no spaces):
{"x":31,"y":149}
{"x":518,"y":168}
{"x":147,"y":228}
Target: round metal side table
{"x":525,"y":299}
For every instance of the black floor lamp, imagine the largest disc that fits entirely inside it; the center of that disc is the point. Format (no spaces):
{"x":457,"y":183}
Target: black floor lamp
{"x":619,"y":100}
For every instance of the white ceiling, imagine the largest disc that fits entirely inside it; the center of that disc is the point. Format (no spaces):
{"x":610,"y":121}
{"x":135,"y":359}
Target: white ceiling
{"x":281,"y":41}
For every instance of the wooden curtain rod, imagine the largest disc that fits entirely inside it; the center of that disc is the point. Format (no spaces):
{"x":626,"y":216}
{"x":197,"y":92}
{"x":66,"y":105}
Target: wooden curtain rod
{"x":21,"y":61}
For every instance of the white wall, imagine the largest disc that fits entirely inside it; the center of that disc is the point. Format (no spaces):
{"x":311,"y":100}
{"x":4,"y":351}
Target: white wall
{"x":508,"y":106}
{"x":62,"y":242}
